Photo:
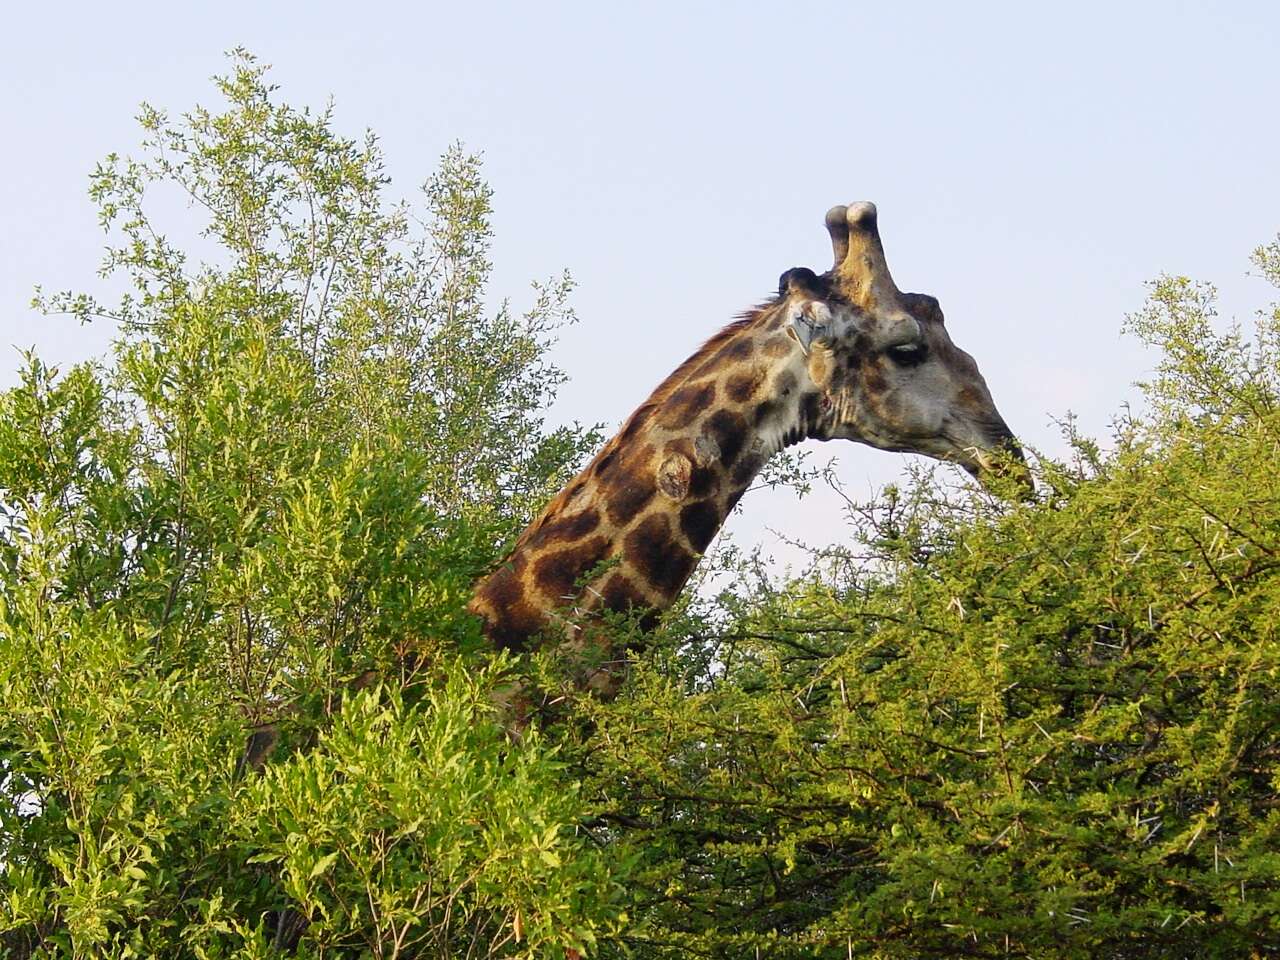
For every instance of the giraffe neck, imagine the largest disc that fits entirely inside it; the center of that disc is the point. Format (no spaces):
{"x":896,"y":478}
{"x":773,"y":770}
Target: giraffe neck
{"x":750,"y":409}
{"x":627,"y":532}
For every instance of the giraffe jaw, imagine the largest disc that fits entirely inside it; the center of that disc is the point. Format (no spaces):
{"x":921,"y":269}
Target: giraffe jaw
{"x":993,"y":461}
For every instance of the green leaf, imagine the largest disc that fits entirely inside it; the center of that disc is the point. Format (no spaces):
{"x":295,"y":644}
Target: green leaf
{"x":322,"y":865}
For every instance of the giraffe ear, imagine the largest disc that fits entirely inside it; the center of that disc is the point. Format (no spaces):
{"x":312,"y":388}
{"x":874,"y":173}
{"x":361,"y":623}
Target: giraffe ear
{"x":809,"y":322}
{"x":800,"y":280}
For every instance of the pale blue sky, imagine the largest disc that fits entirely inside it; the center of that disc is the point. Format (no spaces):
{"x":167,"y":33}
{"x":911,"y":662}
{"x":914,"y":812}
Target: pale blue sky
{"x":1033,"y":165}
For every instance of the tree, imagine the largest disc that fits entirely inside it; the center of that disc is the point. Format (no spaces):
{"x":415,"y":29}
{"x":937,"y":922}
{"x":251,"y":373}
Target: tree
{"x":311,"y":439}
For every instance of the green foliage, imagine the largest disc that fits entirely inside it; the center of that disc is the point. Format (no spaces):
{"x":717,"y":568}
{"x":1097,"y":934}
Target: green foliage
{"x":425,"y":831}
{"x":312,"y":438}
{"x":1036,"y":730}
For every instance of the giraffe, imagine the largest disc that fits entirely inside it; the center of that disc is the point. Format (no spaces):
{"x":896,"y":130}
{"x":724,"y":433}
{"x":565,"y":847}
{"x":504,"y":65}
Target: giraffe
{"x":844,"y":354}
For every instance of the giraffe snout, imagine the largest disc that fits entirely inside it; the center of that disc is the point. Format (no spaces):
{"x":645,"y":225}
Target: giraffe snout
{"x":1002,"y":460}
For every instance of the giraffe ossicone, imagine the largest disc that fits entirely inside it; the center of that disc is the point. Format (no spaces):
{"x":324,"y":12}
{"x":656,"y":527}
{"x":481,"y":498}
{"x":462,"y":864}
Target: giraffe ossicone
{"x":844,"y":354}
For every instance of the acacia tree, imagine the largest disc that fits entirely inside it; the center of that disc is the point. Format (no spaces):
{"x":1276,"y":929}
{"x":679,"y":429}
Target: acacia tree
{"x":314,"y":432}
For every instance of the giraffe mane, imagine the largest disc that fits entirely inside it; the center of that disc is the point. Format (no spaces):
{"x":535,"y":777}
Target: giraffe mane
{"x":708,"y":349}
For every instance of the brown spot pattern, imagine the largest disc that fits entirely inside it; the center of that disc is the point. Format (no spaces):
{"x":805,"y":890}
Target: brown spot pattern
{"x":700,"y":521}
{"x":741,"y":387}
{"x":628,"y":499}
{"x":602,"y":464}
{"x":620,"y":594}
{"x":557,"y":573}
{"x":778,"y":346}
{"x":685,"y":405}
{"x":569,"y":542}
{"x":510,"y":619}
{"x":663,"y":563}
{"x":873,"y":377}
{"x":703,"y":480}
{"x":746,"y":470}
{"x":630,"y":486}
{"x":765,"y":410}
{"x":730,"y":433}
{"x":737,"y":350}
{"x":575,"y":526}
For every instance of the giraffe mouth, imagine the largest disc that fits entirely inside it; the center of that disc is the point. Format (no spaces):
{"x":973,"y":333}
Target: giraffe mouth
{"x":1001,"y":462}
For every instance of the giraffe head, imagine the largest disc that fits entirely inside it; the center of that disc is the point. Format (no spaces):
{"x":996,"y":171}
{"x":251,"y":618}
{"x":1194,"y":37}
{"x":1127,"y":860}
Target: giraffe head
{"x":882,"y":362}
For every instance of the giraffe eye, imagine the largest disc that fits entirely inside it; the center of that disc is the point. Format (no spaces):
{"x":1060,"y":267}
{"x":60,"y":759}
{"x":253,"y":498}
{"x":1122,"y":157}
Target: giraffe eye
{"x":907,"y":354}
